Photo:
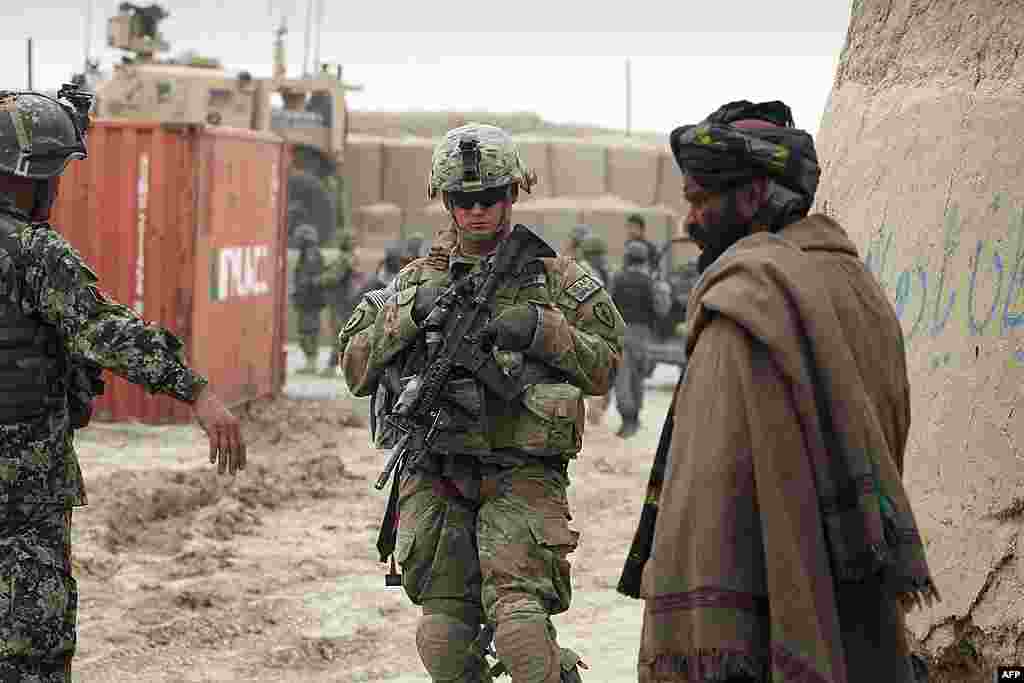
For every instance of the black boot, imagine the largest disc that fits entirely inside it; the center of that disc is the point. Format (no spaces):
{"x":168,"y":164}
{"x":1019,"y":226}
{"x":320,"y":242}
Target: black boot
{"x":630,"y":426}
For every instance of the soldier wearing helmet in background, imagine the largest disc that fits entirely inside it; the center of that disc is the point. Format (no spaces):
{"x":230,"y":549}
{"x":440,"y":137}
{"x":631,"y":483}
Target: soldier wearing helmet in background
{"x":635,"y":294}
{"x":574,"y":241}
{"x":57,"y":331}
{"x":308,"y":295}
{"x":336,"y":284}
{"x":483,"y":533}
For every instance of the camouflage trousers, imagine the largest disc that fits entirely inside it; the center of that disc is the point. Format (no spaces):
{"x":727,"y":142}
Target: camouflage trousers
{"x":308,"y":329}
{"x":630,"y":375}
{"x":38,"y":595}
{"x":494,"y":545}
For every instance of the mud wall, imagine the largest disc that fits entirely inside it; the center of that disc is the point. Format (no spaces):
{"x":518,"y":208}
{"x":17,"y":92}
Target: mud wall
{"x":922,"y":146}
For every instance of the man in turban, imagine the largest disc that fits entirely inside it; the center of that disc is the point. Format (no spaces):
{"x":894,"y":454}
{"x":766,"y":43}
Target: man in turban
{"x":785,"y":547}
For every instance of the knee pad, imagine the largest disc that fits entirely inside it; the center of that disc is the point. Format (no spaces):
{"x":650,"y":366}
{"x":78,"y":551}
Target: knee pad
{"x":446,"y":648}
{"x":527,"y":649}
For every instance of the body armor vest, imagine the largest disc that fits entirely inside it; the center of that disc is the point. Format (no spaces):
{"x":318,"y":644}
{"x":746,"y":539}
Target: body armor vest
{"x":546,"y":421}
{"x":634,"y":297}
{"x":32,"y":371}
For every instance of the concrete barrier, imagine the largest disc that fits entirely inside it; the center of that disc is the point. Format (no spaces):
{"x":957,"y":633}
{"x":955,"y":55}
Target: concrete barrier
{"x":633,"y":173}
{"x":376,"y":226}
{"x":536,"y":154}
{"x":670,"y":184}
{"x":363,"y":169}
{"x":922,"y":147}
{"x":578,"y":168}
{"x":407,"y":172}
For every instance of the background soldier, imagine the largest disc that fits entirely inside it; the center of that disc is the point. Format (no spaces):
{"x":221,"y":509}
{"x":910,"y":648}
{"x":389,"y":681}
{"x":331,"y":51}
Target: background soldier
{"x":483,"y":532}
{"x":308,"y":296}
{"x":336,"y":284}
{"x":636,"y":231}
{"x":574,"y":241}
{"x":57,"y":329}
{"x":640,"y":303}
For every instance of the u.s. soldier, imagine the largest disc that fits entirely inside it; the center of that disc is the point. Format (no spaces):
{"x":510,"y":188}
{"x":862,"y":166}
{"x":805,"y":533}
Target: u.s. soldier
{"x":483,"y":530}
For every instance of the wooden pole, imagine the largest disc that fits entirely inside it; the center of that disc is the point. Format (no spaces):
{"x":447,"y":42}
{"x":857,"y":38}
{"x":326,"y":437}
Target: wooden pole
{"x":29,"y":63}
{"x":629,"y":100}
{"x":309,"y":32}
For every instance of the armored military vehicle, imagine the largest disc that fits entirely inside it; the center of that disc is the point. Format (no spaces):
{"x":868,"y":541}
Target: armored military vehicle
{"x":309,"y":112}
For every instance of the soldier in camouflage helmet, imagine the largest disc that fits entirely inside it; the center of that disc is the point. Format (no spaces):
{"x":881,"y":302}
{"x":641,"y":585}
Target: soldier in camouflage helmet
{"x":336,"y":283}
{"x":483,"y":531}
{"x":574,"y":242}
{"x":308,"y":295}
{"x":57,"y":327}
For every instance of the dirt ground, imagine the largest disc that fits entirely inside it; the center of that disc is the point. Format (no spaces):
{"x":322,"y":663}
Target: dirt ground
{"x":273,"y":575}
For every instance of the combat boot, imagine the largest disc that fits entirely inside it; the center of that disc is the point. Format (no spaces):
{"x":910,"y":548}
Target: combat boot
{"x":629,"y":428}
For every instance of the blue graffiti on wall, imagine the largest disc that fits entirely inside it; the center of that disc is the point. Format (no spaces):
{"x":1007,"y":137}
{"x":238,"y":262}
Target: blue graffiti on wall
{"x":928,"y":296}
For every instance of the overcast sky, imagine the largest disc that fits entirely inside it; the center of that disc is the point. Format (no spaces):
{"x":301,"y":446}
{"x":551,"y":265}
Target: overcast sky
{"x":563,"y":59}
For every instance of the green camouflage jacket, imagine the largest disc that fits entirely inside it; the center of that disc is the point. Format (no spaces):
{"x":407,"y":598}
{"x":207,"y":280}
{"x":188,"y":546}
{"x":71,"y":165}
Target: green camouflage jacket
{"x":577,"y":346}
{"x":38,"y":463}
{"x":336,"y":279}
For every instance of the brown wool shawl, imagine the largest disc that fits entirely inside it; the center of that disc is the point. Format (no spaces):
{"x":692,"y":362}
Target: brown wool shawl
{"x":784,"y":530}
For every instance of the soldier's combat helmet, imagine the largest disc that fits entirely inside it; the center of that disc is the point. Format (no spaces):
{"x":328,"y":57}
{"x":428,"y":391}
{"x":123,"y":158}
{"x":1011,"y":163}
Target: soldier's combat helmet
{"x":593,"y":245}
{"x":477,"y":157}
{"x":580,"y":233}
{"x":306,"y":234}
{"x":40,"y":135}
{"x":636,"y":252}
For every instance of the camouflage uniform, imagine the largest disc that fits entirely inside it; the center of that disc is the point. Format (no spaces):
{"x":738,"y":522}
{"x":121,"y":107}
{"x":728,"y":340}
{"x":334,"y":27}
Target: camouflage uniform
{"x":593,"y":255}
{"x":308,"y":296}
{"x":40,"y":478}
{"x":54,"y":321}
{"x":483,"y":532}
{"x":336,"y":282}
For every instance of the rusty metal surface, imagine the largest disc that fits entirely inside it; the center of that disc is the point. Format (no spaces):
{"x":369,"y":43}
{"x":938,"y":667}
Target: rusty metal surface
{"x":186,"y":226}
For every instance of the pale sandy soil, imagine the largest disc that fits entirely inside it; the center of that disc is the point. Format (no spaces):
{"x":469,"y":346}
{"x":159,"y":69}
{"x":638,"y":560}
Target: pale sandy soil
{"x":273,"y":575}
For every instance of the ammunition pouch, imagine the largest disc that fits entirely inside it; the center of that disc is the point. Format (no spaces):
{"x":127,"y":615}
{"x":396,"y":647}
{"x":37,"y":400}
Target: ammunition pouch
{"x":84,"y":384}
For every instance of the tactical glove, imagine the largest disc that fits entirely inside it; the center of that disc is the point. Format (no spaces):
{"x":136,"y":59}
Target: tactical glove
{"x":514,"y":329}
{"x":426,"y":297}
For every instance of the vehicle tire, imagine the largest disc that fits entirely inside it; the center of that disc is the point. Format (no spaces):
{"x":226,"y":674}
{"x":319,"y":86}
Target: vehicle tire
{"x":306,"y":190}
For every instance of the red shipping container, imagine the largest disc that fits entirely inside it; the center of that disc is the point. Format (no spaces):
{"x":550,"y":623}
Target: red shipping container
{"x":187,"y":225}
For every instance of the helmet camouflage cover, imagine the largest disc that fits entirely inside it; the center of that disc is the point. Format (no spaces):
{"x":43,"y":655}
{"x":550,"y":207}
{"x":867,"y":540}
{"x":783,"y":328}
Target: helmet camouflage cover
{"x":38,"y":135}
{"x":477,"y":157}
{"x":306,"y":233}
{"x":593,"y":245}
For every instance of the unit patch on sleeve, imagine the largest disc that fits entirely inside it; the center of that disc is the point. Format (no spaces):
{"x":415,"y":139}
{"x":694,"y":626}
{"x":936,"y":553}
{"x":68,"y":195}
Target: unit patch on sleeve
{"x":583,"y":288}
{"x":603,"y":312}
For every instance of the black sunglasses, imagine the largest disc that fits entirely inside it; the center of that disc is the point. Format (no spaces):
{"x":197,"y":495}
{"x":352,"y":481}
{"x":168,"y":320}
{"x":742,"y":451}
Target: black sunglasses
{"x":485,"y":198}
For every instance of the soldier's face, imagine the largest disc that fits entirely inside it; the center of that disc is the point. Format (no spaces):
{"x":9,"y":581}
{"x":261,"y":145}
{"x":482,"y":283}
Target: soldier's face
{"x":480,"y":213}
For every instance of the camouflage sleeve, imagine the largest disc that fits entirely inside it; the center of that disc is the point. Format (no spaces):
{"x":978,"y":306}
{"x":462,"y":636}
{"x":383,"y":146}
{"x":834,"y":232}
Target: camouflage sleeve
{"x":581,"y":331}
{"x":380,"y":327}
{"x":63,"y":290}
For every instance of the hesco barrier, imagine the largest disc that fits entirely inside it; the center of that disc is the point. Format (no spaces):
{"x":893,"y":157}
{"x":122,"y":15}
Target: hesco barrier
{"x":187,"y":226}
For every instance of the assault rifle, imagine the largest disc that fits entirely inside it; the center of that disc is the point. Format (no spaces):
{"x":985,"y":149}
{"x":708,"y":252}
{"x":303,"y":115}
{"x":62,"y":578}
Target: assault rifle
{"x":453,"y":339}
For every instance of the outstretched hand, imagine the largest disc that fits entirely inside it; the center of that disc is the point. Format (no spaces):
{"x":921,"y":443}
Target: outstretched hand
{"x":227,"y":446}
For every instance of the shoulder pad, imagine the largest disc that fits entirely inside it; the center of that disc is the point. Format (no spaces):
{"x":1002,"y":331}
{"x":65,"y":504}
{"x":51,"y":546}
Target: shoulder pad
{"x":583,"y":288}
